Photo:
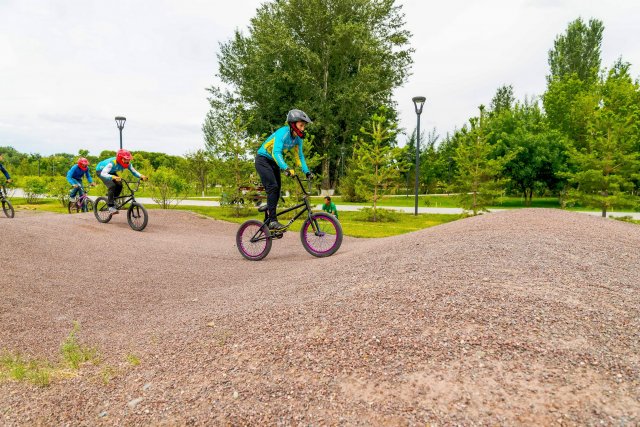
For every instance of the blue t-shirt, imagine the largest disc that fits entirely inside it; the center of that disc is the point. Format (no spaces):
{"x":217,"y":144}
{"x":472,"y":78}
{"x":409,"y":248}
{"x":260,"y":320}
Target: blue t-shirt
{"x":75,"y":175}
{"x":4,"y":171}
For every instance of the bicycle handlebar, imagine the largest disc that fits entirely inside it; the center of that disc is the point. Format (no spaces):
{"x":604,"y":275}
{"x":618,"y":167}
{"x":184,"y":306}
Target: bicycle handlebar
{"x":300,"y":181}
{"x":129,"y":187}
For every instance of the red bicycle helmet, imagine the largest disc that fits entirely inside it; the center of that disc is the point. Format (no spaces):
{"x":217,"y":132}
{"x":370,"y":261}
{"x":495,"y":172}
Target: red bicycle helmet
{"x":123,"y":158}
{"x":83,"y":163}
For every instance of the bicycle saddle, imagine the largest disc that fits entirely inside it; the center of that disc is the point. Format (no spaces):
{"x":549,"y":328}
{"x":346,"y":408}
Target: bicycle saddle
{"x":262,"y":208}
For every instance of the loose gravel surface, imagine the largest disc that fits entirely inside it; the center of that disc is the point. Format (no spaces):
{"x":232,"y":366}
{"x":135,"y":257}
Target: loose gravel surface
{"x":513,"y":318}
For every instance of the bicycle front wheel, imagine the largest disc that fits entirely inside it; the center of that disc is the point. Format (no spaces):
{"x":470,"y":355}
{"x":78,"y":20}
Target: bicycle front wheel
{"x":7,"y":208}
{"x":321,"y":235}
{"x":101,"y":210}
{"x":137,"y":216}
{"x":253,"y":240}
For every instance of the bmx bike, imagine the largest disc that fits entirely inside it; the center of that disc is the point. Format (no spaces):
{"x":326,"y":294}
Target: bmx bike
{"x":7,"y":207}
{"x":321,"y":233}
{"x":82,"y":204}
{"x":137,"y":215}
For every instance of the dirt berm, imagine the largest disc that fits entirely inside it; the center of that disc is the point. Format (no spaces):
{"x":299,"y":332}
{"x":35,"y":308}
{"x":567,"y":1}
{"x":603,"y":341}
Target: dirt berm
{"x":514,"y":318}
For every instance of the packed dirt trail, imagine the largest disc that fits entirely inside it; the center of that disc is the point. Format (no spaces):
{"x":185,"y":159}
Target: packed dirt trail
{"x":512,"y":318}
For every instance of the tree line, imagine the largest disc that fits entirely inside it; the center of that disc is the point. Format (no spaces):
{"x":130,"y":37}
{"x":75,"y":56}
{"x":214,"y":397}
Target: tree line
{"x":340,"y":60}
{"x":578,"y":141}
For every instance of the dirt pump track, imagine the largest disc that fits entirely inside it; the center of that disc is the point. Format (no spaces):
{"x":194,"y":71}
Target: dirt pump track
{"x":511,"y":318}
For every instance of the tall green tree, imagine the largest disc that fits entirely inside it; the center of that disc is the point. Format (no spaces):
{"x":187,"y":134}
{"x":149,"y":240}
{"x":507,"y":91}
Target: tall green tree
{"x":378,"y":161}
{"x":503,"y":99}
{"x":607,"y":168}
{"x":479,"y":170}
{"x":199,"y":166}
{"x":577,"y":51}
{"x":338,"y":60}
{"x":228,"y":140}
{"x":538,"y":154}
{"x":574,"y":65}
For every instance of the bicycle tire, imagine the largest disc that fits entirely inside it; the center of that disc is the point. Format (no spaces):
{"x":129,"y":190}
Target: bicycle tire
{"x":101,"y":210}
{"x":327,"y":240}
{"x":73,"y":207}
{"x":253,"y":250}
{"x":7,"y":208}
{"x":137,"y":216}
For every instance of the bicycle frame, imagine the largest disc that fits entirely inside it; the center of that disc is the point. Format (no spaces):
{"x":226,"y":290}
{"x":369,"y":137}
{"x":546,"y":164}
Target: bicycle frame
{"x":129,"y":197}
{"x":307,"y":208}
{"x":81,"y":196}
{"x":3,"y":192}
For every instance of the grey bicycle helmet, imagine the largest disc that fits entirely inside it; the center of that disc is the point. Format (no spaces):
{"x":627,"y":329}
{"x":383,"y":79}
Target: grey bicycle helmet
{"x":294,"y":116}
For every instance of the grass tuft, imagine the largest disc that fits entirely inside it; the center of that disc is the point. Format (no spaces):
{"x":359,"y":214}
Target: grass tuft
{"x":74,"y":353}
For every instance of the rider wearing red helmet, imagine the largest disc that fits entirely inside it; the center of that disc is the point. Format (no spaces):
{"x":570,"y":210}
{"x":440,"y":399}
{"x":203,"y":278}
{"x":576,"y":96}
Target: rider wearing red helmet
{"x":108,"y":172}
{"x":75,"y":175}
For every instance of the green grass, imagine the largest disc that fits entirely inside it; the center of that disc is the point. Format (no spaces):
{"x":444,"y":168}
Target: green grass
{"x":44,"y":205}
{"x":40,"y":372}
{"x":133,"y":359}
{"x":626,"y":219}
{"x":350,"y":225}
{"x":15,"y":367}
{"x":75,"y":353}
{"x":447,"y":202}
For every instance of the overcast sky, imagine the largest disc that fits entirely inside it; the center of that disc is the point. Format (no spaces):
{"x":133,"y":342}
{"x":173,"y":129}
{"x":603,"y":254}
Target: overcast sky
{"x":68,"y":67}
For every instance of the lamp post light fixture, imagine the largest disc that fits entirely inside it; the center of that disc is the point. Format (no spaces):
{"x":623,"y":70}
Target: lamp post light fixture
{"x":120,"y":123}
{"x":418,"y":102}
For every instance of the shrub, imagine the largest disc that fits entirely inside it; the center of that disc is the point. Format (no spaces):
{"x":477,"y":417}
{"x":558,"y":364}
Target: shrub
{"x":59,"y":188}
{"x":167,"y":188}
{"x":377,"y":215}
{"x":35,"y":188}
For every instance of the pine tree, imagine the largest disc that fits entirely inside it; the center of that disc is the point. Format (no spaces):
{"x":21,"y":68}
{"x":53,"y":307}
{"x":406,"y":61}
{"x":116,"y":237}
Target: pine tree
{"x":478,"y":171}
{"x":378,"y":161}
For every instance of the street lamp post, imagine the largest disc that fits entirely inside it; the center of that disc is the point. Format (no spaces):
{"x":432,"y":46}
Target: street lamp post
{"x":418,"y":102}
{"x":120,"y":123}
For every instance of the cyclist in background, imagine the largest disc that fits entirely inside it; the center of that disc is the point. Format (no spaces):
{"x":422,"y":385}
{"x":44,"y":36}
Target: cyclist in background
{"x":75,"y":175}
{"x":270,"y":160}
{"x":108,"y":172}
{"x":3,"y":170}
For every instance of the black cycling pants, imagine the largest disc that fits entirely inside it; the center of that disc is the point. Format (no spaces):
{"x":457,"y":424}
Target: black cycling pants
{"x":115,"y":188}
{"x":270,"y":176}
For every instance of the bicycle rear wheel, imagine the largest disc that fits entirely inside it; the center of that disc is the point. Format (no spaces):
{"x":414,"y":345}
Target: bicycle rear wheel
{"x":7,"y":208}
{"x":253,"y":240}
{"x":101,"y":210}
{"x":73,"y":207}
{"x":321,"y":235}
{"x":137,"y":216}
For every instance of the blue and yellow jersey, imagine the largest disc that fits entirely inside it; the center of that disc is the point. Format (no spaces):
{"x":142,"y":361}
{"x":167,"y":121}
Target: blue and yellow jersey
{"x":280,"y":141}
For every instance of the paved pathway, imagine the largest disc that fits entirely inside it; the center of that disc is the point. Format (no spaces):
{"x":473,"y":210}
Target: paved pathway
{"x":352,"y":208}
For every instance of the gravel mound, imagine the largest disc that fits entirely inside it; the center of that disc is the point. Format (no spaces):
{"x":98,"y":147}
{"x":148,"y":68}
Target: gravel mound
{"x":519,"y":317}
